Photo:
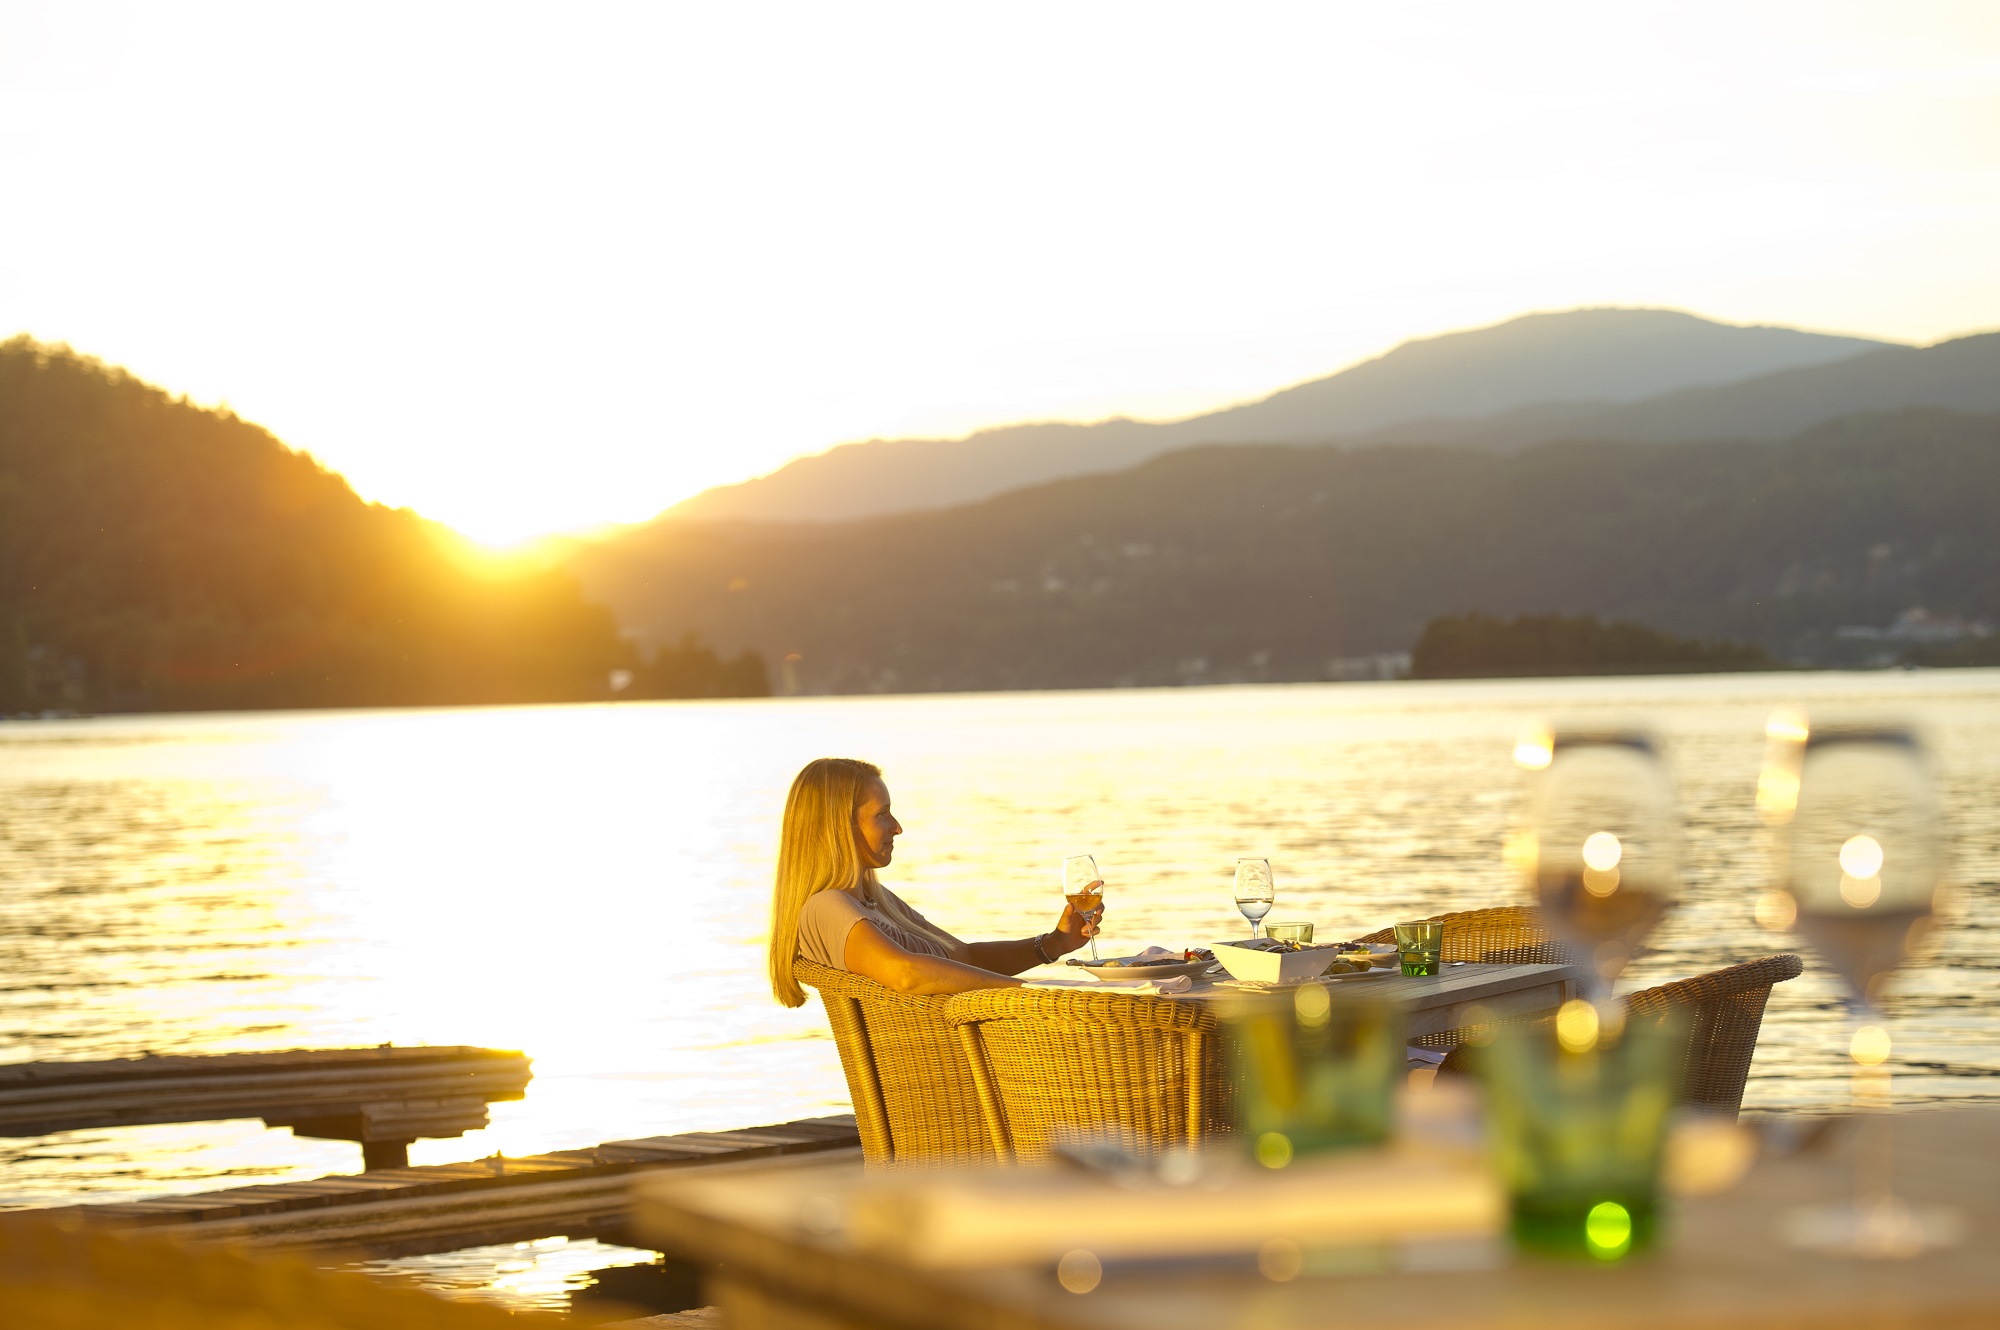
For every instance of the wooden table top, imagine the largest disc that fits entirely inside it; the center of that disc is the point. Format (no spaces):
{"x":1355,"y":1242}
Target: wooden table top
{"x":1724,"y":1263}
{"x":1466,"y":981}
{"x":1443,"y":1001}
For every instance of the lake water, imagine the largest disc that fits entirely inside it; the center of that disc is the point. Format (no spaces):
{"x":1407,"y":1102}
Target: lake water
{"x":591,"y":884}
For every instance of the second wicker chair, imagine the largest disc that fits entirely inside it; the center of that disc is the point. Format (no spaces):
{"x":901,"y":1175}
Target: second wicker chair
{"x":1076,"y":1063}
{"x":1724,"y":1010}
{"x":1502,"y":934}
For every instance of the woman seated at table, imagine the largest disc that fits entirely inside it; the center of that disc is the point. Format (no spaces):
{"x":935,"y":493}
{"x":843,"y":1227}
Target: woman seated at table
{"x":829,"y":907}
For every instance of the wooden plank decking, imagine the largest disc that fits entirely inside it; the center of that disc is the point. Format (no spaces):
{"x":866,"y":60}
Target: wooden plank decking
{"x":443,"y":1207}
{"x":382,"y":1098}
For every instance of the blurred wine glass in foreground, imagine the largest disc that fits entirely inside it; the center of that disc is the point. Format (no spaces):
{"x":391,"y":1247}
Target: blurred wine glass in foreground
{"x":1580,"y":1120}
{"x":1860,"y":860}
{"x":1602,"y":847}
{"x":1083,"y":889}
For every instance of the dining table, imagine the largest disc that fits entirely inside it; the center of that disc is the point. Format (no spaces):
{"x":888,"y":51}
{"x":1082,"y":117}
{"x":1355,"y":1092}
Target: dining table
{"x":1458,"y":995}
{"x":836,"y":1247}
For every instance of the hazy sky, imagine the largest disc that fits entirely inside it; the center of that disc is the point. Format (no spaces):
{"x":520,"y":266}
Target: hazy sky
{"x":528,"y":268}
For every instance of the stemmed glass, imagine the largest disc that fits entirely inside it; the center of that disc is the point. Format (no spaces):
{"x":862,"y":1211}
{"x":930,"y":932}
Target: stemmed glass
{"x":1860,"y":859}
{"x":1254,"y":892}
{"x":1580,"y":1127}
{"x":1083,"y":888}
{"x":1603,"y":851}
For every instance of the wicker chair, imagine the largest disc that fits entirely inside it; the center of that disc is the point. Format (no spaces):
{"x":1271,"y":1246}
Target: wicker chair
{"x":915,"y":1097}
{"x":1503,"y":934}
{"x":1498,"y":935}
{"x":1061,"y":1063}
{"x":1724,"y":1010}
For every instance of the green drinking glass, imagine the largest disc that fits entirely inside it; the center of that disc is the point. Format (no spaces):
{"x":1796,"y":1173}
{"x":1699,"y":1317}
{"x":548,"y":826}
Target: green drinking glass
{"x":1421,"y":945}
{"x":1579,"y":1119}
{"x":1312,"y":1071}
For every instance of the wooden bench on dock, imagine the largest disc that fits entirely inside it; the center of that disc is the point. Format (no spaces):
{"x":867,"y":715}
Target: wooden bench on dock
{"x":444,"y":1207}
{"x":383,"y":1098}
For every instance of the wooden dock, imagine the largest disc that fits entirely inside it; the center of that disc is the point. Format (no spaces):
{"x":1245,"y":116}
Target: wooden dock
{"x":382,"y":1098}
{"x":443,"y":1207}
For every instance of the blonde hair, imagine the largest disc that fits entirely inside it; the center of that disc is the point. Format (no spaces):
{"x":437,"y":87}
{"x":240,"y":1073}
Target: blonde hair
{"x":817,"y":852}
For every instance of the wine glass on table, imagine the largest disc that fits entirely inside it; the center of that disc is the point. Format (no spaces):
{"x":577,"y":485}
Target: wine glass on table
{"x":1603,"y":850}
{"x":1083,"y":888}
{"x":1861,"y":865}
{"x":1254,"y":892}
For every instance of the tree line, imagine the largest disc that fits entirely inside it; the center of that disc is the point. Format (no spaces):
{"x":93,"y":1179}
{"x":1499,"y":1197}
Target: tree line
{"x":1477,"y":646}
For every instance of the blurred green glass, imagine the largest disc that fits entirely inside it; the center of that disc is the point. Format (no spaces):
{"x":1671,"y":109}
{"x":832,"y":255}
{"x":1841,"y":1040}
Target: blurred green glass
{"x":1300,"y":933}
{"x":1312,"y":1071}
{"x":1579,"y":1126}
{"x":1421,"y":945}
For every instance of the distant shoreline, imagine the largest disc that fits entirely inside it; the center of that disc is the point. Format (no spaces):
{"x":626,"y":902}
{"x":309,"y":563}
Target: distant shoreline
{"x":1885,"y":671}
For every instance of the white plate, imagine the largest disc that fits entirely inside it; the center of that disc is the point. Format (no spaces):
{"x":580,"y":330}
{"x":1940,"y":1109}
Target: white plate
{"x":1194,"y":969}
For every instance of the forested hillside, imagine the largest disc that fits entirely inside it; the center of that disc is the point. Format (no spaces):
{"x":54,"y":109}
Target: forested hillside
{"x":156,"y":555}
{"x":1248,"y":562}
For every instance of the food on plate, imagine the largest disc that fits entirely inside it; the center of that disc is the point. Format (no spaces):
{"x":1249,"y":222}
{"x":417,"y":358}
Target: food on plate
{"x":1157,"y":956}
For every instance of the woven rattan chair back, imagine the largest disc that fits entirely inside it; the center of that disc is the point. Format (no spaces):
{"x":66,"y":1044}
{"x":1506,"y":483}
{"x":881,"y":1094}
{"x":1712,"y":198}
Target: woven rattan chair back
{"x":1070,"y":1064}
{"x":915,"y":1097}
{"x":1724,"y":1010}
{"x":1500,"y":935}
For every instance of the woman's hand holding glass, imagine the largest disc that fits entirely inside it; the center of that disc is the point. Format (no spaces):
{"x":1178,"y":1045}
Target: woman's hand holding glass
{"x":1075,"y":929}
{"x":1083,"y":896}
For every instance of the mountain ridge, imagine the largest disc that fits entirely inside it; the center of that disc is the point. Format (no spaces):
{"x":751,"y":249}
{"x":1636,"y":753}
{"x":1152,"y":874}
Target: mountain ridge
{"x":1599,"y":356}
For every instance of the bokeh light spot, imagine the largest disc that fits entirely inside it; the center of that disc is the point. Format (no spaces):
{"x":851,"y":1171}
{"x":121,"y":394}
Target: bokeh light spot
{"x":1079,"y":1271}
{"x":1280,"y":1260}
{"x":1535,"y":748}
{"x":1777,"y":911}
{"x":1861,"y":857}
{"x":1870,"y":1046}
{"x":1607,"y":1230}
{"x":1576,"y":1026}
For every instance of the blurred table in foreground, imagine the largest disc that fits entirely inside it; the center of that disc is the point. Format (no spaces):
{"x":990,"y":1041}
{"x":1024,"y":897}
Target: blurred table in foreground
{"x":789,"y":1258}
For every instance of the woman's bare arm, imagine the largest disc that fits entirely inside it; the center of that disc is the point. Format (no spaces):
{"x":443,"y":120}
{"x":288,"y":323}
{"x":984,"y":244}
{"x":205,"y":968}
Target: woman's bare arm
{"x":870,"y":952}
{"x":1071,"y":932}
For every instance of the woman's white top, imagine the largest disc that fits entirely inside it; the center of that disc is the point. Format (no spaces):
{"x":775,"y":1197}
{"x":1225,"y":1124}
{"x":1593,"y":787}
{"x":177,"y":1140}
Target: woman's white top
{"x":829,"y":916}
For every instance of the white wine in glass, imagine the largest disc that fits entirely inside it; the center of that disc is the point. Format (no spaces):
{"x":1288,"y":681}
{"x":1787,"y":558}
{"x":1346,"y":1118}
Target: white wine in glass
{"x":1083,"y":888}
{"x":1605,"y":863}
{"x":1860,"y":865}
{"x":1254,"y":891}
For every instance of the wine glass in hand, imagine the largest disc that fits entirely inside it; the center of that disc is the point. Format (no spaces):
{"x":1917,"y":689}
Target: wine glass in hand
{"x":1254,"y":892}
{"x":1083,"y":888}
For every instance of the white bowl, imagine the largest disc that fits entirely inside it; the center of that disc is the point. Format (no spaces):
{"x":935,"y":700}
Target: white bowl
{"x":1244,"y":961}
